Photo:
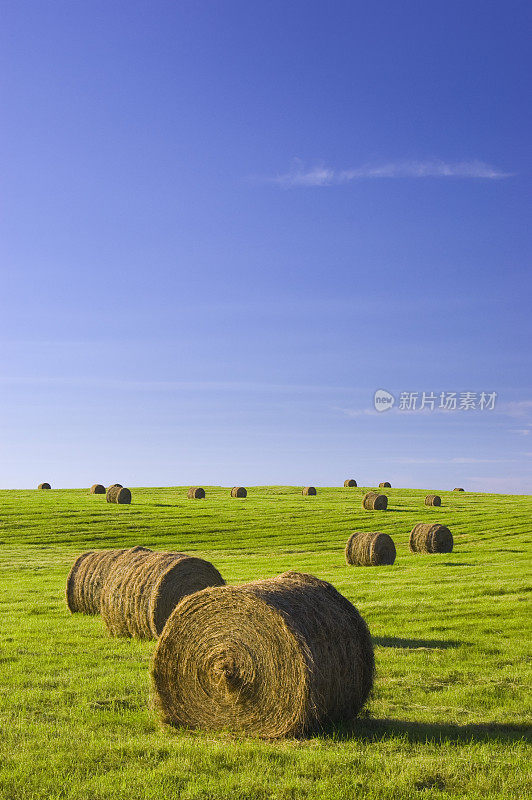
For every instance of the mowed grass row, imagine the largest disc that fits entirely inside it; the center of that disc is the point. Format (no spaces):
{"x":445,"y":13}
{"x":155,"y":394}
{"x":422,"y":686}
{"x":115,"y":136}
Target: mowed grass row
{"x":450,"y":712}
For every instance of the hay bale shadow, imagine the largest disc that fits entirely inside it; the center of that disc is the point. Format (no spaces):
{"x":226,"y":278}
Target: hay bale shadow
{"x":415,"y":644}
{"x":368,"y":729}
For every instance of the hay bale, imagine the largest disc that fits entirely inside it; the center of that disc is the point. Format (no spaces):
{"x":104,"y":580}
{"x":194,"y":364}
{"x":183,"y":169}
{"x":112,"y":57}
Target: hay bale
{"x":429,"y":537}
{"x":373,"y":501}
{"x":309,"y":490}
{"x":140,"y":594}
{"x":118,"y":494}
{"x":385,"y":485}
{"x":44,"y":486}
{"x":87,"y":576}
{"x":239,"y":491}
{"x":272,"y":658}
{"x":119,"y":485}
{"x":196,"y":493}
{"x":349,"y":483}
{"x":97,"y":488}
{"x":368,"y":549}
{"x":433,"y":500}
{"x":458,"y":490}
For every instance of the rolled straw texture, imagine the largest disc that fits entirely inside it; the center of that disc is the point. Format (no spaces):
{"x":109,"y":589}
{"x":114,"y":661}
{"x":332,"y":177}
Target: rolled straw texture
{"x":272,"y":658}
{"x":368,"y":549}
{"x":140,"y":595}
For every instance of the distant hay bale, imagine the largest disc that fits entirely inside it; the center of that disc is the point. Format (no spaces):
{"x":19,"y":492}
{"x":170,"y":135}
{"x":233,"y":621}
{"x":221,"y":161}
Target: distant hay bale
{"x":428,"y":537}
{"x":44,"y":486}
{"x":368,"y":549}
{"x":139,"y":595}
{"x":385,"y":485}
{"x":349,"y":483}
{"x":119,"y":485}
{"x":309,"y":490}
{"x":458,"y":490}
{"x":433,"y":500}
{"x":97,"y":488}
{"x":87,"y":576}
{"x":273,"y":658}
{"x":118,"y":494}
{"x":196,"y":493}
{"x":373,"y":501}
{"x":239,"y":491}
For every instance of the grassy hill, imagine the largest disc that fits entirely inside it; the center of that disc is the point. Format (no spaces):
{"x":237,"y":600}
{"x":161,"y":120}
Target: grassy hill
{"x":450,"y":714}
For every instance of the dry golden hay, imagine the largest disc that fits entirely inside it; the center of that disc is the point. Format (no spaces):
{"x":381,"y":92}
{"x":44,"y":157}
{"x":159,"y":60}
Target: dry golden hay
{"x":372,"y":501}
{"x":433,"y":500}
{"x":113,"y":485}
{"x":368,"y":549}
{"x":239,"y":491}
{"x":140,"y":594}
{"x":279,"y":657}
{"x":44,"y":486}
{"x":309,"y":490}
{"x":97,"y":488}
{"x":196,"y":493}
{"x":458,"y":490}
{"x":350,"y":483}
{"x":385,"y":485}
{"x":87,"y":576}
{"x":429,"y":537}
{"x":118,"y":494}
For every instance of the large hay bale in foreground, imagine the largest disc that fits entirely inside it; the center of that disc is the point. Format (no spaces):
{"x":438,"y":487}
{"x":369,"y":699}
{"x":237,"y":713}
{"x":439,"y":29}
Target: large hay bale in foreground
{"x":139,"y":595}
{"x":458,"y":490}
{"x":278,"y":657}
{"x":44,"y":486}
{"x":430,"y":537}
{"x":385,"y":485}
{"x":350,"y":483}
{"x":239,"y":491}
{"x":87,"y":576}
{"x":372,"y":501}
{"x":118,"y":494}
{"x":196,"y":493}
{"x":97,"y":488}
{"x":369,"y":549}
{"x":309,"y":490}
{"x":433,"y":500}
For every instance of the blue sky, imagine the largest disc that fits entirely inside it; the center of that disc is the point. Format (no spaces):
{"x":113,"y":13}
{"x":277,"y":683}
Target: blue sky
{"x":225,"y":225}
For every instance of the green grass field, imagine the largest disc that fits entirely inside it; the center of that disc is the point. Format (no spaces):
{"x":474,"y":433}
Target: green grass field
{"x":450,"y":712}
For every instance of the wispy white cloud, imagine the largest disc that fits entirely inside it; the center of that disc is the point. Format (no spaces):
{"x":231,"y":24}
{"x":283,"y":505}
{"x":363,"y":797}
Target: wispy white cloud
{"x":516,"y":408}
{"x":299,"y":175}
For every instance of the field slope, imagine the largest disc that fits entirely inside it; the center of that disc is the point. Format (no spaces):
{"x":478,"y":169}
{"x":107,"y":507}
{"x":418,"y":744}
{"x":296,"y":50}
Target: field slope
{"x":450,"y":714}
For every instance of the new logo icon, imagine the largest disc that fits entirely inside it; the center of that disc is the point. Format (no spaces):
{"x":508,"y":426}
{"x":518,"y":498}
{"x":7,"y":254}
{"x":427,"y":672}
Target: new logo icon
{"x":383,"y":400}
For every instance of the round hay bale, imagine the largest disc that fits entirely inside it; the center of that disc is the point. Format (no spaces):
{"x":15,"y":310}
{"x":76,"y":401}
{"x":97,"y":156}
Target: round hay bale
{"x":309,"y":490}
{"x":196,"y":493}
{"x":349,"y":483}
{"x":86,"y":579}
{"x":433,"y":500}
{"x":372,"y":501}
{"x":458,"y":490}
{"x":385,"y":485}
{"x":278,"y":657}
{"x":118,"y":494}
{"x":140,"y":594}
{"x":239,"y":491}
{"x":44,"y":486}
{"x":97,"y":488}
{"x":428,"y":537}
{"x":119,"y":485}
{"x":368,"y":549}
